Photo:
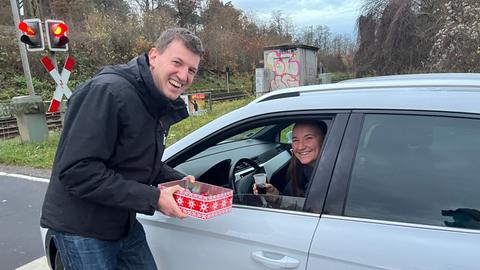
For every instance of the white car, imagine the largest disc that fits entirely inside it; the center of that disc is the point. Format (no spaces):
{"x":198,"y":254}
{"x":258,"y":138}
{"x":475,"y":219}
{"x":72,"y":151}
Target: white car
{"x":396,"y":186}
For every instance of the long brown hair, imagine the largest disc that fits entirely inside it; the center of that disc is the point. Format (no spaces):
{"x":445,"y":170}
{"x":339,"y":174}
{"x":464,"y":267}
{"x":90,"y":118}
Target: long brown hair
{"x":295,"y":168}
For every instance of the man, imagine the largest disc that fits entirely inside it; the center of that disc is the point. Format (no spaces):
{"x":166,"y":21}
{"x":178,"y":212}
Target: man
{"x":108,"y":161}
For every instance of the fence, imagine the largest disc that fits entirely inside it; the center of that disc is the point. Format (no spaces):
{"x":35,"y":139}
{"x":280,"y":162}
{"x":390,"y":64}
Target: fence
{"x":9,"y":128}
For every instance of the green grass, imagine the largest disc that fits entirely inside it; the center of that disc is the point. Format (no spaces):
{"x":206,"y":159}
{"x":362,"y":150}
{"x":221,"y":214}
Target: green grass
{"x":208,"y":81}
{"x":340,"y":76}
{"x":192,"y":123}
{"x":41,"y":155}
{"x":37,"y":155}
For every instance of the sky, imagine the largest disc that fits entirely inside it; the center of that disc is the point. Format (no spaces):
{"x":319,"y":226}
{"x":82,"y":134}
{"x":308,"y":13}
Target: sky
{"x":339,"y":15}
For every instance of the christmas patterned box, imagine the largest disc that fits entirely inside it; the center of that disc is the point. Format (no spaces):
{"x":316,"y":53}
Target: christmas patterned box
{"x":201,"y":200}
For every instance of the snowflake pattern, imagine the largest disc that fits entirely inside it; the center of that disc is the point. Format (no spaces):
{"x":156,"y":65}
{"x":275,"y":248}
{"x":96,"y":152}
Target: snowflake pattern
{"x":191,"y":204}
{"x":214,"y":206}
{"x":180,"y":201}
{"x":203,"y":207}
{"x":224,"y":203}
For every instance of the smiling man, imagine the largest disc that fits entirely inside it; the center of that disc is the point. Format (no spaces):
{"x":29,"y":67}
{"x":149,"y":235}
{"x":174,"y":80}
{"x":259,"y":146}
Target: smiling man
{"x":109,"y":158}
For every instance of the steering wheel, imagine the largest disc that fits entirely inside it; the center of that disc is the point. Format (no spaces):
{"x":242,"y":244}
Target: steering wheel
{"x":231,"y":175}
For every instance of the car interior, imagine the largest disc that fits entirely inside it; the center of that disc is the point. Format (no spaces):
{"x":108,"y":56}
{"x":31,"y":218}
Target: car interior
{"x":232,"y":158}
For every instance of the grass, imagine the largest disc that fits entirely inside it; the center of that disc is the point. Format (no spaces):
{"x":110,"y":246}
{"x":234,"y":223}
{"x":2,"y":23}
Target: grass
{"x":41,"y":155}
{"x":208,"y":81}
{"x":37,"y":155}
{"x":192,"y":123}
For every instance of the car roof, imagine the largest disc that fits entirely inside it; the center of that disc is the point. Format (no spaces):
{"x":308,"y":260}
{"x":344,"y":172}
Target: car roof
{"x":458,"y":95}
{"x":425,"y":92}
{"x":423,"y":76}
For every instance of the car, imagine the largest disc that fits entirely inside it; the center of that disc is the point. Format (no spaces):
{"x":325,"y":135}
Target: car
{"x":395,"y":187}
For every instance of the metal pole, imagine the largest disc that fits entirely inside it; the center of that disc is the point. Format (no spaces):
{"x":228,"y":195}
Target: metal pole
{"x":54,"y":59}
{"x":23,"y":51}
{"x":228,"y":86}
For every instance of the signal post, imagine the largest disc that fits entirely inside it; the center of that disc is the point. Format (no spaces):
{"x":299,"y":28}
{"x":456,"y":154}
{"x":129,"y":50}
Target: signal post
{"x":30,"y":110}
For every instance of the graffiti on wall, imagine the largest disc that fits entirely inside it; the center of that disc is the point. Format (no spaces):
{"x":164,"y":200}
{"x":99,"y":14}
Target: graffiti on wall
{"x":285,"y":67}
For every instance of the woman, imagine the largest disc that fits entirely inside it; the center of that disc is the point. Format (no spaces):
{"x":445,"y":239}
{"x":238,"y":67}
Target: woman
{"x":307,"y":139}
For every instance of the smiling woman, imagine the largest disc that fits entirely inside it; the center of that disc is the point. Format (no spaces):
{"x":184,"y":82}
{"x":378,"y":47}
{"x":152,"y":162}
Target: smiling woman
{"x":307,"y":140}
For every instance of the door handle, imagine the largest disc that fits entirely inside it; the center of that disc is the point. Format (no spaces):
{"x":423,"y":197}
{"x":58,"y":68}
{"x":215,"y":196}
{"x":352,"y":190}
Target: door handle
{"x":275,"y":260}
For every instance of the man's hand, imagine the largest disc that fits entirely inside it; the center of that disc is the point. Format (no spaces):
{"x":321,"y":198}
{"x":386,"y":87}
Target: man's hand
{"x":167,"y":204}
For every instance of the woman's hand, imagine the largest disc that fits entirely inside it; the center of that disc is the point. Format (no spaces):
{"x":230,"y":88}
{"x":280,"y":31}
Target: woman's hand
{"x":271,"y":190}
{"x":190,"y":178}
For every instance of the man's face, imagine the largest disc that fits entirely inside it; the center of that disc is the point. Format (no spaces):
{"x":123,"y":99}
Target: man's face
{"x":174,"y":69}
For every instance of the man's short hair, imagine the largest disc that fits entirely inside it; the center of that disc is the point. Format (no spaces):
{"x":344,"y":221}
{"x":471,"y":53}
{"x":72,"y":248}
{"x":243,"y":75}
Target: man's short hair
{"x":190,"y":40}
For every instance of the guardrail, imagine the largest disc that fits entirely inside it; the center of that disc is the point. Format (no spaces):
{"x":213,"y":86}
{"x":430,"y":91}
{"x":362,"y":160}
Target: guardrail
{"x":9,"y":128}
{"x":227,"y":96}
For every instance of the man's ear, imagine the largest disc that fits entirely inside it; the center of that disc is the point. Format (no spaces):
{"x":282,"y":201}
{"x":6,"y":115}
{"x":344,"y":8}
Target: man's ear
{"x":152,"y":55}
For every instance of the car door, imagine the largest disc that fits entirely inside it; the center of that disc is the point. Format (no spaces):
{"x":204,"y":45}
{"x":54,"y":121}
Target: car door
{"x":249,"y":237}
{"x":404,"y":194}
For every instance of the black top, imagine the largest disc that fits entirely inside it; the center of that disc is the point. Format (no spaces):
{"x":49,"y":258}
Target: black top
{"x":109,"y":154}
{"x":307,"y":173}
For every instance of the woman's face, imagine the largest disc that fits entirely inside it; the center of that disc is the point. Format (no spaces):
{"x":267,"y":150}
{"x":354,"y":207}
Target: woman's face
{"x":306,"y":143}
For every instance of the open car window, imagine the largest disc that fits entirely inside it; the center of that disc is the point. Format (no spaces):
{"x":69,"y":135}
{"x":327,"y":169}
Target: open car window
{"x":254,"y":149}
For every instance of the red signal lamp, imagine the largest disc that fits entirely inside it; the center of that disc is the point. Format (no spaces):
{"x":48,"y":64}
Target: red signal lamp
{"x":57,"y":35}
{"x":23,"y":26}
{"x":32,"y":34}
{"x":59,"y":29}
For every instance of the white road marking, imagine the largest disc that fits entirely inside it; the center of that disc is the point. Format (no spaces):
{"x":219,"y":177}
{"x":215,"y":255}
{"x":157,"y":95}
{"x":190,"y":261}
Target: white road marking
{"x":26,"y":177}
{"x":38,"y":264}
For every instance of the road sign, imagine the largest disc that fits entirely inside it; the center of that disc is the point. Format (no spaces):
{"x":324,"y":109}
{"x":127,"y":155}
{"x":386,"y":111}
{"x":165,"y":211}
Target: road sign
{"x":60,"y":80}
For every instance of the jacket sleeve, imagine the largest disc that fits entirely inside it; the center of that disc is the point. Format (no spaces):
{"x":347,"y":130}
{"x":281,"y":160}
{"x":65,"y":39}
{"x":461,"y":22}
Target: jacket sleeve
{"x":88,"y":141}
{"x":166,"y":174}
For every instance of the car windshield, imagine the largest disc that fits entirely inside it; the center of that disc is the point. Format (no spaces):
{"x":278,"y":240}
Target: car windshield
{"x":243,"y":136}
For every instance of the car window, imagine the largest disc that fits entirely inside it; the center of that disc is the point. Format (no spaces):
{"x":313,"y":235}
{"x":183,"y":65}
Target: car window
{"x":417,"y":169}
{"x":286,"y":135}
{"x":244,"y":135}
{"x":261,"y":145}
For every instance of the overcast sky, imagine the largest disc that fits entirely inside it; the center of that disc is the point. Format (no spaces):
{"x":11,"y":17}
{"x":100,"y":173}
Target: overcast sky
{"x":339,"y":15}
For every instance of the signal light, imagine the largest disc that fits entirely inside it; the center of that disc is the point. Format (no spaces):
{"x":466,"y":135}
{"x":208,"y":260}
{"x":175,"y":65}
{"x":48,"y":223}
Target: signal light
{"x":59,"y":29}
{"x":57,"y":35}
{"x":32,"y":35}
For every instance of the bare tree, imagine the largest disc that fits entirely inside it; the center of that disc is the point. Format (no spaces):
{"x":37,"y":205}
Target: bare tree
{"x":394,"y":36}
{"x":456,"y":46}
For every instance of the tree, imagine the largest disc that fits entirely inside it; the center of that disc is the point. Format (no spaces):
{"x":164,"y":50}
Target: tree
{"x":395,"y":36}
{"x":118,"y":7}
{"x":187,"y":13}
{"x":221,"y":34}
{"x":5,"y":13}
{"x":456,"y":46}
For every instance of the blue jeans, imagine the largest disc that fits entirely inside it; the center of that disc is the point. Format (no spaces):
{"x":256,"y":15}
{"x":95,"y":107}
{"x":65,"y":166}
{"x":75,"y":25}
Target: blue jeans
{"x":85,"y":253}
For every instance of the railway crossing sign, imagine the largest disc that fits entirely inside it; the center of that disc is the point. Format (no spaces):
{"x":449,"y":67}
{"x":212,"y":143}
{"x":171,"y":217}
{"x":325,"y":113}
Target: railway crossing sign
{"x":60,"y":79}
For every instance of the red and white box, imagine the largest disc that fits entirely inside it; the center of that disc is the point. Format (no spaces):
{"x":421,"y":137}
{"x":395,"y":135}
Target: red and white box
{"x":201,"y":200}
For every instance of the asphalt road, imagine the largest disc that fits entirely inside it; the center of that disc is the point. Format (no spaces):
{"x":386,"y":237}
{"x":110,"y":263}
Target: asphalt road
{"x":20,"y":206}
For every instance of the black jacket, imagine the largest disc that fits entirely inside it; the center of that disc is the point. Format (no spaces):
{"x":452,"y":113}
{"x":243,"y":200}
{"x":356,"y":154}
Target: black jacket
{"x":109,"y":154}
{"x":307,"y":174}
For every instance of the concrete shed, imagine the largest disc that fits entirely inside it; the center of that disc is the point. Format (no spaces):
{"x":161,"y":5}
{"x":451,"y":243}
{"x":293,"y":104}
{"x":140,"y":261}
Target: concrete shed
{"x":289,"y":65}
